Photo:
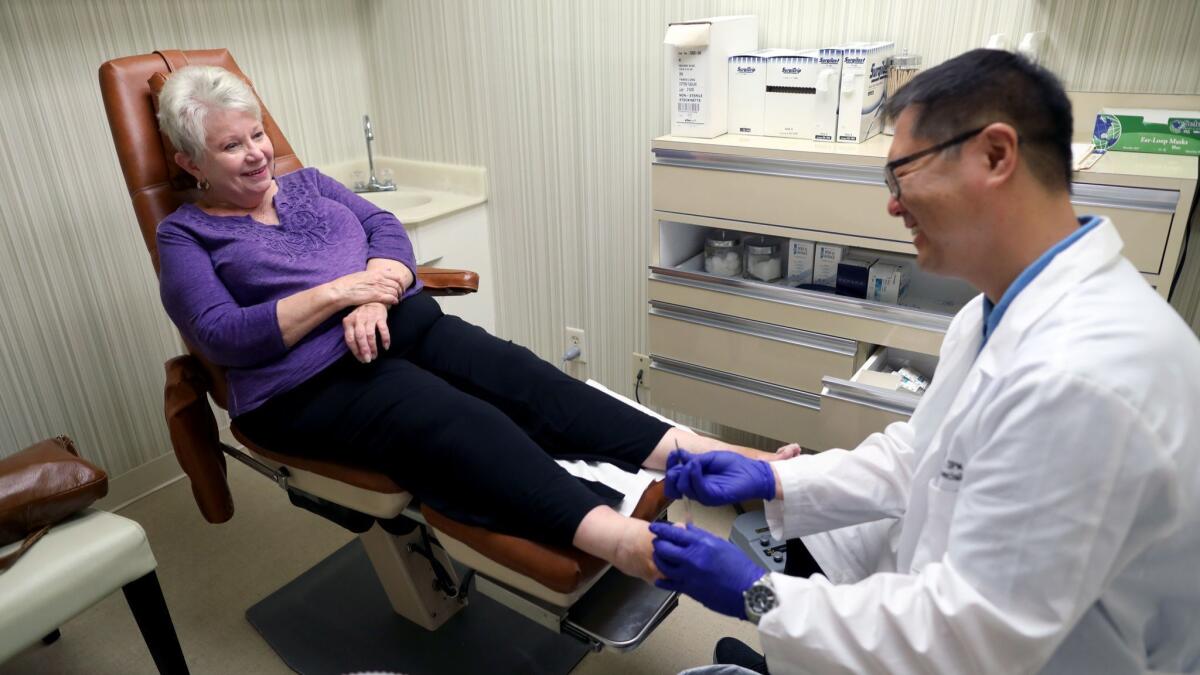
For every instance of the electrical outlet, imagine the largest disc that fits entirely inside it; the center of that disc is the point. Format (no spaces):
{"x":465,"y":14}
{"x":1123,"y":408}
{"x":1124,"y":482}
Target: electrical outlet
{"x":577,"y":338}
{"x":641,"y":362}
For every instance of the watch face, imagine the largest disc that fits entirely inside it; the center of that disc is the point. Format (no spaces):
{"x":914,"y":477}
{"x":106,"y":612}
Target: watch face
{"x":760,"y":599}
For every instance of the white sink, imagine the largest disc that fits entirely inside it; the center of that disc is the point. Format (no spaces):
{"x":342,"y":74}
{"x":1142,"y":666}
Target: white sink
{"x":424,"y":190}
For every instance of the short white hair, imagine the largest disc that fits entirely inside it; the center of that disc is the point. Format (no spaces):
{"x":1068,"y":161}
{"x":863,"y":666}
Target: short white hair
{"x":189,"y":95}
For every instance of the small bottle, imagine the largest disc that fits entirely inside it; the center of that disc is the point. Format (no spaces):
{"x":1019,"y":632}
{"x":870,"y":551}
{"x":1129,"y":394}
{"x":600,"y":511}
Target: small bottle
{"x":763,"y":261}
{"x":723,"y":254}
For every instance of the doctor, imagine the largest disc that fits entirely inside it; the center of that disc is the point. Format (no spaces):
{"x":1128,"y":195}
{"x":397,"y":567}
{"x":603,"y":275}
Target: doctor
{"x":1040,"y":511}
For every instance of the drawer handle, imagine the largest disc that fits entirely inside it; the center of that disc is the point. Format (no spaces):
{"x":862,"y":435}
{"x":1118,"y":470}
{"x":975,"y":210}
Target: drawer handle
{"x":1123,"y":197}
{"x":898,"y":402}
{"x":786,"y":168}
{"x":736,"y":382}
{"x":837,"y":304}
{"x":758,"y":329}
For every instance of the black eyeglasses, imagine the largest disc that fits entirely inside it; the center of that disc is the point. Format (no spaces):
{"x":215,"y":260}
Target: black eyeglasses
{"x":889,"y":169}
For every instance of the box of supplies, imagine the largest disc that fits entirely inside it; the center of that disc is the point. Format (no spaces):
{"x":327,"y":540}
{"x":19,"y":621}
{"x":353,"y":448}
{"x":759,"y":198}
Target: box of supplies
{"x":1171,"y":132}
{"x":791,"y":93}
{"x":829,"y":87}
{"x":800,"y":261}
{"x":886,"y":281}
{"x":698,"y":58}
{"x":747,"y":91}
{"x":852,"y":276}
{"x":863,"y":90}
{"x":825,"y":264}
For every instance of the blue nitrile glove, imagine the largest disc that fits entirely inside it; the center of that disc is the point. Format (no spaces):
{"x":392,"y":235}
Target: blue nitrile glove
{"x":718,"y":477}
{"x":704,"y":566}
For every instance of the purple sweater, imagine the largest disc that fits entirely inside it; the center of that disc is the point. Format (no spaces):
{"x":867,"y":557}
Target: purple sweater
{"x":221,"y":277}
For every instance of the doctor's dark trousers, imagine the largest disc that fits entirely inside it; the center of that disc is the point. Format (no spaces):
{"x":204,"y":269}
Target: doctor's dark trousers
{"x":467,"y":422}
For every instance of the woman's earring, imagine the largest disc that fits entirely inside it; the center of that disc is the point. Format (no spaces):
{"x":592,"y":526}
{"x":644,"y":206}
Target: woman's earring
{"x":203,"y":184}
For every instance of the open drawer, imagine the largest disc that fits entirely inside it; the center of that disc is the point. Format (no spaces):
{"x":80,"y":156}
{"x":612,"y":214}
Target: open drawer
{"x":754,"y":349}
{"x":853,"y":409}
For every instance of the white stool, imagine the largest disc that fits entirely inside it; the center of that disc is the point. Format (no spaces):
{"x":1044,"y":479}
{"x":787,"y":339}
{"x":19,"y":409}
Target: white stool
{"x":79,"y":562}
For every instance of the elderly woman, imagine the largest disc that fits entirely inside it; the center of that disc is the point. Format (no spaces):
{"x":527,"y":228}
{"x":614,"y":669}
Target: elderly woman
{"x":307,"y":295}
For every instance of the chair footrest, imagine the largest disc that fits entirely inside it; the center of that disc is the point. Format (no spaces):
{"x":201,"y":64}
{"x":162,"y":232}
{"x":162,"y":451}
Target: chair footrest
{"x":562,"y":573}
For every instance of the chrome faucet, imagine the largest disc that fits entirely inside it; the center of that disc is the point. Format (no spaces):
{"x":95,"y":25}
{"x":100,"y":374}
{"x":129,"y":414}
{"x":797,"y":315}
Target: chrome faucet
{"x":373,"y":183}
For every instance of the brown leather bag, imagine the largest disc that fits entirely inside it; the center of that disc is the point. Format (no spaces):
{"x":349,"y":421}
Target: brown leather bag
{"x":41,"y":485}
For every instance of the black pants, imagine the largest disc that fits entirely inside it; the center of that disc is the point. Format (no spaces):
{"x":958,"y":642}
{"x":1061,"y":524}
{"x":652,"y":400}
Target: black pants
{"x":469,"y":423}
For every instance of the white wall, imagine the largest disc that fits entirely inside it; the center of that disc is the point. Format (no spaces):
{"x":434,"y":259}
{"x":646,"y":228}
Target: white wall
{"x":557,"y":98}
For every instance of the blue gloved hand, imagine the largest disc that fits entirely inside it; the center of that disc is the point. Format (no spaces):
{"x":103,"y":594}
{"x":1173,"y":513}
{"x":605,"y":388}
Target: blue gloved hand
{"x":719,"y":477}
{"x":704,"y":566}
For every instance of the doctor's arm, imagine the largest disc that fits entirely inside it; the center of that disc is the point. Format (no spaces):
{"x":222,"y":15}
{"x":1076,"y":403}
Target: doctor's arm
{"x":1044,"y":515}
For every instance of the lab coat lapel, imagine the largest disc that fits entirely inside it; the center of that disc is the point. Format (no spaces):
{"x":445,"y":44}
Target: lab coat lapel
{"x":1094,"y":252}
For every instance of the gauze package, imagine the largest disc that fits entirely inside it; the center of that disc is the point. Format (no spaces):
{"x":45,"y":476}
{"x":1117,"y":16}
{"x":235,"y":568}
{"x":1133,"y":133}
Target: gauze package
{"x":698,"y":57}
{"x":791,"y":93}
{"x":863,"y":90}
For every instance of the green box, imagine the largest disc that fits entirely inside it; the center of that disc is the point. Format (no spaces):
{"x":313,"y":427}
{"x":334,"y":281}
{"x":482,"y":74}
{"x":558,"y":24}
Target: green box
{"x":1169,"y":132}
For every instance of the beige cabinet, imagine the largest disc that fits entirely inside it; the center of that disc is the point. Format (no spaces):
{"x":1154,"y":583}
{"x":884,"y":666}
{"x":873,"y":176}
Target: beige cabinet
{"x":803,"y":365}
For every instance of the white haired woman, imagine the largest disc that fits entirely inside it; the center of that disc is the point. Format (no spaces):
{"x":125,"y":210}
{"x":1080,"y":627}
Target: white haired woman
{"x":307,"y":295}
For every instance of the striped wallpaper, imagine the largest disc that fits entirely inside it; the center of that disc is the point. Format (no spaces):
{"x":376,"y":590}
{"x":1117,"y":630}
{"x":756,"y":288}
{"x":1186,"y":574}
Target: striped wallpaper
{"x":557,"y":98}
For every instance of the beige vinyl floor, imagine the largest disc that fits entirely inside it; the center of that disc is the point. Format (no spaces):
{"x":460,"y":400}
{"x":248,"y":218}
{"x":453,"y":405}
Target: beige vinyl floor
{"x":211,"y":574}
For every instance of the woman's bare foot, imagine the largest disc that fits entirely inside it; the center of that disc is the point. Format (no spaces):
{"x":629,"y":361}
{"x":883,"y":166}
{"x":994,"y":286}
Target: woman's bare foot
{"x":626,"y":543}
{"x":695,"y":443}
{"x":788,"y":451}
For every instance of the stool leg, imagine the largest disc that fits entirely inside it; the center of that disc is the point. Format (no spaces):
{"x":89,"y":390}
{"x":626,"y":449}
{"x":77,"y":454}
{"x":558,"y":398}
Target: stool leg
{"x":145,"y":599}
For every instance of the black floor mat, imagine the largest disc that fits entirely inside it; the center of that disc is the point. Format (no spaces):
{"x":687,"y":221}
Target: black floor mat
{"x":335,"y":618}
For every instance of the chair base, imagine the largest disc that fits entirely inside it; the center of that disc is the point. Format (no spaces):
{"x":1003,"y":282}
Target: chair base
{"x":336,"y":618}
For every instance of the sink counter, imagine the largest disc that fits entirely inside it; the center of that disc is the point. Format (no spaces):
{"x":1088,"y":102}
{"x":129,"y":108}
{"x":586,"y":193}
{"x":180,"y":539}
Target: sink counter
{"x":424,"y":190}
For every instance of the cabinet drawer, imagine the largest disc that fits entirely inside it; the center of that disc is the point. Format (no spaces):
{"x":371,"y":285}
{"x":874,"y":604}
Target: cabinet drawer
{"x":761,"y":351}
{"x":759,"y":407}
{"x":843,"y":199}
{"x":1143,"y":216}
{"x":851,"y":410}
{"x":815,"y":312}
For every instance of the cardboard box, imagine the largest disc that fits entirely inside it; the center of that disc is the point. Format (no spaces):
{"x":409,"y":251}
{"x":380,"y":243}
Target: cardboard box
{"x":886,"y":282}
{"x":800,"y":261}
{"x":829,"y":88}
{"x":697,"y":55}
{"x":825,"y":264}
{"x":1171,"y":132}
{"x":852,"y":276}
{"x":791,"y":94}
{"x":748,"y":90}
{"x":863,"y":90}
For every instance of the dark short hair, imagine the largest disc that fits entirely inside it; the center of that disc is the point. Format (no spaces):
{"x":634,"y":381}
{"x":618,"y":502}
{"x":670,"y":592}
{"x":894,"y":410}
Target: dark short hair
{"x":984,"y":86}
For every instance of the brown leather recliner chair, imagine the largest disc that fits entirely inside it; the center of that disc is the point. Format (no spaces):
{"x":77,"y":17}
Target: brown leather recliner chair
{"x":538,"y":580}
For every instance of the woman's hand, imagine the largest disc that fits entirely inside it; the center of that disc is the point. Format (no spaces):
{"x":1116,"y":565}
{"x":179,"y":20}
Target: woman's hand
{"x":368,"y":286}
{"x":361,"y":325}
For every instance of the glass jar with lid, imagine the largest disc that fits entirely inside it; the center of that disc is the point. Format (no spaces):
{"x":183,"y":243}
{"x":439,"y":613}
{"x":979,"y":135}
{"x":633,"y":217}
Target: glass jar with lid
{"x":763,"y":259}
{"x":723,"y":254}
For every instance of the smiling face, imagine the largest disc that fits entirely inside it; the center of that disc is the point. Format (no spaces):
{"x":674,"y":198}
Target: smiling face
{"x":236,"y":161}
{"x":937,"y":201}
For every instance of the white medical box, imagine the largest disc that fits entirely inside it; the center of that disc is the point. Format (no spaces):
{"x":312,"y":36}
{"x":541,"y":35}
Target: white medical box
{"x":800,"y":261}
{"x":747,"y":91}
{"x":829,"y":87}
{"x":886,"y":281}
{"x":825,"y":264}
{"x":791,"y":93}
{"x":697,"y":54}
{"x":863,"y":90}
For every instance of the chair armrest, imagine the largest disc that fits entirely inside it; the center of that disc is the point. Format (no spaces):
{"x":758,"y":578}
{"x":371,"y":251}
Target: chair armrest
{"x":195,"y":437}
{"x":448,"y":282}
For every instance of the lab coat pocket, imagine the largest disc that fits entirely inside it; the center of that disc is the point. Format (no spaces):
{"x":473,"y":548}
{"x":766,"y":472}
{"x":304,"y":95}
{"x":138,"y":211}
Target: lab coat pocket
{"x":935,"y":531}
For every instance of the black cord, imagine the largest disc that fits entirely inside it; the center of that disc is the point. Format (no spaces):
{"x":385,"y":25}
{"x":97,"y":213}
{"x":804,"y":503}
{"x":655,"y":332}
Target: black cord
{"x":637,"y":383}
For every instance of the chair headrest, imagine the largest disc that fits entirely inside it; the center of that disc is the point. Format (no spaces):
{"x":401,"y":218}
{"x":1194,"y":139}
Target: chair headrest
{"x":157,"y":186}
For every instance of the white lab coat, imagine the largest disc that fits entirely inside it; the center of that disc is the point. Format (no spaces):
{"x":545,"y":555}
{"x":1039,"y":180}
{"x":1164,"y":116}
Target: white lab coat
{"x":1040,"y":511}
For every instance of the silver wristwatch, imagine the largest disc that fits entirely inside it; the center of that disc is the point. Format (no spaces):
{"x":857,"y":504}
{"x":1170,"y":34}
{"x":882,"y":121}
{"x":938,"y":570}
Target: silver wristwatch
{"x":760,"y":598}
